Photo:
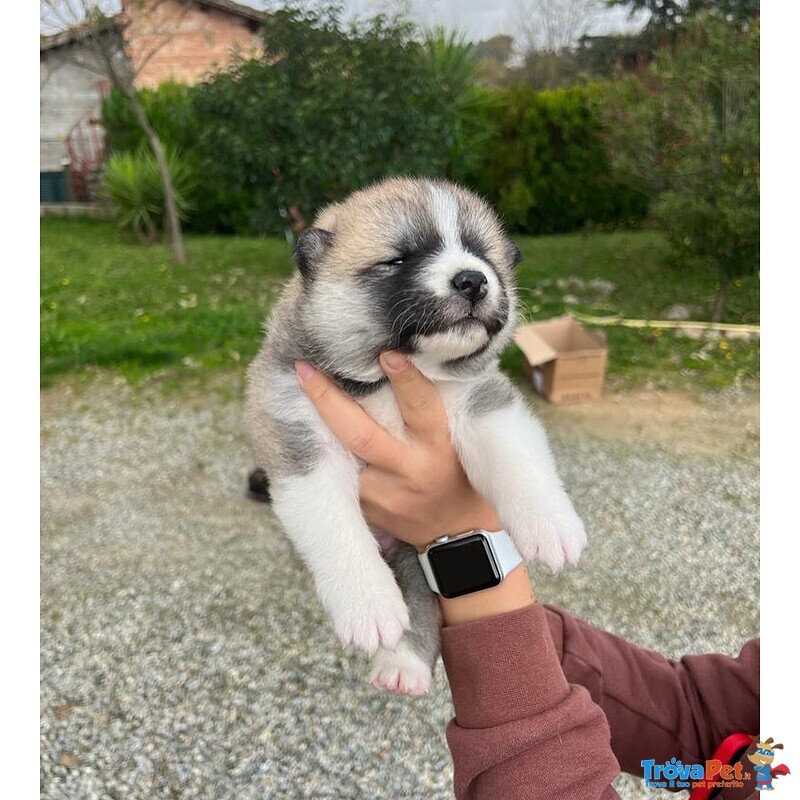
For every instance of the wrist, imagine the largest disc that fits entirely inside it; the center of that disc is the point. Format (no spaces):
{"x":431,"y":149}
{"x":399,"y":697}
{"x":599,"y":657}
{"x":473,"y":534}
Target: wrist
{"x":477,"y":514}
{"x":483,"y":516}
{"x":513,"y":593}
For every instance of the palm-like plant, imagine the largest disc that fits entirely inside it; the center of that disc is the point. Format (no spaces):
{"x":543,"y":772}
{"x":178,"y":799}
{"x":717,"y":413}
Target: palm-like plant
{"x":132,"y":183}
{"x":453,"y":62}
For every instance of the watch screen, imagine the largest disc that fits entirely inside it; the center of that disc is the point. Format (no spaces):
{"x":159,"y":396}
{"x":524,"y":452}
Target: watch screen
{"x":463,"y":566}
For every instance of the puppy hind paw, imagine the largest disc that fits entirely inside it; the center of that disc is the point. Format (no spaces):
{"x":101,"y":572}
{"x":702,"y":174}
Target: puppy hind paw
{"x":372,"y":622}
{"x":400,"y":671}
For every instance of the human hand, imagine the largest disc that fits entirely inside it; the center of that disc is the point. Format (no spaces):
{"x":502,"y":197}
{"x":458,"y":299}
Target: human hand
{"x":417,"y":489}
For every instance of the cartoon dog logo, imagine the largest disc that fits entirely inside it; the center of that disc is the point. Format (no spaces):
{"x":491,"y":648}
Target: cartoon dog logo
{"x":762,"y":761}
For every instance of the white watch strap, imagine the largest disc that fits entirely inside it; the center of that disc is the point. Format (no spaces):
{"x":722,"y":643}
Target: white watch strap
{"x":505,"y":551}
{"x":502,"y":546}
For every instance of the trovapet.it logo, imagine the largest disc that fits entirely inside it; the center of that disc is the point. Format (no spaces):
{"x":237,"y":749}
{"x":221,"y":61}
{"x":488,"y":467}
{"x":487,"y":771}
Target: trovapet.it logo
{"x":677,"y":775}
{"x":715,"y":773}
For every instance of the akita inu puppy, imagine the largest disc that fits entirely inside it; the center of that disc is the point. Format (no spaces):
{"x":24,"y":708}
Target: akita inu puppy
{"x":423,"y":267}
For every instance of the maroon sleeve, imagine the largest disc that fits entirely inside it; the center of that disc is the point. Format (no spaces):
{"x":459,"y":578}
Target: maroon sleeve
{"x":520,"y":729}
{"x":658,"y":708}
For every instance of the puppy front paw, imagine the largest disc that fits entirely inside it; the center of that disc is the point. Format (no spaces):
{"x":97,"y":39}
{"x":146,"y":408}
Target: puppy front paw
{"x":400,"y":671}
{"x":368,"y":616}
{"x":552,"y":539}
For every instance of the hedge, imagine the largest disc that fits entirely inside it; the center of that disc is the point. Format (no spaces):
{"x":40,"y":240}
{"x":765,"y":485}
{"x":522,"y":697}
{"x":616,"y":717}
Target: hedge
{"x":539,"y":157}
{"x":169,"y":109}
{"x":544,"y":163}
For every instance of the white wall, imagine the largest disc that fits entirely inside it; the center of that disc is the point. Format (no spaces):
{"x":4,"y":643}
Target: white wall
{"x":70,"y":86}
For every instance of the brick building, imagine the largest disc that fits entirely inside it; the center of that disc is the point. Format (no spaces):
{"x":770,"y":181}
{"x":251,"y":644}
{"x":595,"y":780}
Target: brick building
{"x":180,"y":40}
{"x":207,"y":32}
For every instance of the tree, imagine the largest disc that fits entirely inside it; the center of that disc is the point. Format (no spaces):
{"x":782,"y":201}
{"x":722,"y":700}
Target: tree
{"x":608,"y":54}
{"x":493,"y":59}
{"x":547,"y":32}
{"x":551,"y":26}
{"x":498,"y":48}
{"x":667,"y":15}
{"x":102,"y":31}
{"x":686,"y":132}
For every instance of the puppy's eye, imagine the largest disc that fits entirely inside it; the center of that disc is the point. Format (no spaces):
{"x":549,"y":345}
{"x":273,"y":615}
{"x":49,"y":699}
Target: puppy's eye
{"x":390,"y":262}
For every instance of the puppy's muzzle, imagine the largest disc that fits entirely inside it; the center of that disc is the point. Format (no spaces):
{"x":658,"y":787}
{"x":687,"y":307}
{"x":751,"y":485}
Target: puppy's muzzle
{"x":471,"y":284}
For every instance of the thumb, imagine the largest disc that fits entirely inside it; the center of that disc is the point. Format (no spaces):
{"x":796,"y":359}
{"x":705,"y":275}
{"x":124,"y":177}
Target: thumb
{"x":417,"y":397}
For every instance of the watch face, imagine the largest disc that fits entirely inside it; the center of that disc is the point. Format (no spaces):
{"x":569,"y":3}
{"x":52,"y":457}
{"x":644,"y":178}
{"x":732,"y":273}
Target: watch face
{"x":463,"y":566}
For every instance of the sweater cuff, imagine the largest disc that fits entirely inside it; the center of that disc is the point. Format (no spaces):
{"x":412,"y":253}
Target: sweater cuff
{"x":503,"y":668}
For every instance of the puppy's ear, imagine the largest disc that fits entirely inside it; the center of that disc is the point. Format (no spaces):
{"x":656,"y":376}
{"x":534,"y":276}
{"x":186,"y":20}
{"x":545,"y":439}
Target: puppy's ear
{"x":311,"y":245}
{"x":516,"y":255}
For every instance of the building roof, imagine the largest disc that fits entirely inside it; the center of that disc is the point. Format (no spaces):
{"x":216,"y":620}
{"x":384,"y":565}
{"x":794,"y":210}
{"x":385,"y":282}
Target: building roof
{"x":234,"y":8}
{"x":74,"y":34}
{"x":82,"y":31}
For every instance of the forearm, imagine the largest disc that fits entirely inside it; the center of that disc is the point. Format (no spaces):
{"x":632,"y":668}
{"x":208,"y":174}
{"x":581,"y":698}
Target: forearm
{"x":513,"y":593}
{"x":520,"y":729}
{"x":658,"y":708}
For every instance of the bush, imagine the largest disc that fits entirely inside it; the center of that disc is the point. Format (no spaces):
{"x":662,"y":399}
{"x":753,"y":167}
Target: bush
{"x":687,"y":132}
{"x":132,"y":183}
{"x":544,"y":164}
{"x":326,"y":110}
{"x":169,"y":109}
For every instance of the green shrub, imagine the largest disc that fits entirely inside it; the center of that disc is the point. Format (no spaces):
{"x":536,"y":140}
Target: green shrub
{"x":543,"y":162}
{"x":686,"y":130}
{"x":132,"y":183}
{"x":169,"y":109}
{"x":326,"y":110}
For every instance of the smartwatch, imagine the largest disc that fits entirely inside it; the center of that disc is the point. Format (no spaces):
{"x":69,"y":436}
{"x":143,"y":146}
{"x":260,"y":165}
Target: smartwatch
{"x":470,"y":562}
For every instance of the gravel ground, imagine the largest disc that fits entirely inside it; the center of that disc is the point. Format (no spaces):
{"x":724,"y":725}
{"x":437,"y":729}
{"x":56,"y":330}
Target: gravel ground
{"x":185,"y":656}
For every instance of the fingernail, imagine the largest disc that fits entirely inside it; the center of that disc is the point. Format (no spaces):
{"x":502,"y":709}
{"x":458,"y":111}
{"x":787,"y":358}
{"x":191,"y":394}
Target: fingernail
{"x":395,"y":361}
{"x":304,"y":371}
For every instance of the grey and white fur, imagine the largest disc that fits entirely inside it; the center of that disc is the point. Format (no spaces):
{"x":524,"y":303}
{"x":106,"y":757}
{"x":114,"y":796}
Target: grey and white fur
{"x":424,"y":267}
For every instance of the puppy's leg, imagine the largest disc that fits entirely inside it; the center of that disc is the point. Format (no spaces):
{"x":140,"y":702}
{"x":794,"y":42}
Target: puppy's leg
{"x":505,"y":453}
{"x":408,"y":667}
{"x":321,"y":515}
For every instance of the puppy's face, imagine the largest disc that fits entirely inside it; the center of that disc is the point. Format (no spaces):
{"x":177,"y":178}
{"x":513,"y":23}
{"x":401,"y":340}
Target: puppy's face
{"x":413,"y":265}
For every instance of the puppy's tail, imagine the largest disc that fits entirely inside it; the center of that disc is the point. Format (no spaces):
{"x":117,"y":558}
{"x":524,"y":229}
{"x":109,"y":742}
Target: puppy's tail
{"x":258,"y":486}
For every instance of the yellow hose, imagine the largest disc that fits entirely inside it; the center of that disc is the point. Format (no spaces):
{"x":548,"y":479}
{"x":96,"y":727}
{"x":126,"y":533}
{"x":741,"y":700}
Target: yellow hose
{"x":664,"y":323}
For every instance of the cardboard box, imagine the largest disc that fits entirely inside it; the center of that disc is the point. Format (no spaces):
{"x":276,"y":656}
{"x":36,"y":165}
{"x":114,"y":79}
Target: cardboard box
{"x":566,"y":362}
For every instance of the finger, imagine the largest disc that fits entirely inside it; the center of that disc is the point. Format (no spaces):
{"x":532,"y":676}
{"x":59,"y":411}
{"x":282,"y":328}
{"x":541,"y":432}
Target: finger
{"x":418,"y":399}
{"x":351,"y":425}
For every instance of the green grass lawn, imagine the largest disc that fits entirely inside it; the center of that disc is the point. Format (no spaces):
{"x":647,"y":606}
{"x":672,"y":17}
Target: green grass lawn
{"x":110,"y":303}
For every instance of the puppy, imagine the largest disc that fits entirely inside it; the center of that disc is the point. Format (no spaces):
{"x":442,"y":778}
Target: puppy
{"x":424,"y":267}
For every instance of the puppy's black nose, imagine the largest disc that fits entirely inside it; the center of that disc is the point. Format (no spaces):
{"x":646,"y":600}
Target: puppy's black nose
{"x":471,"y":284}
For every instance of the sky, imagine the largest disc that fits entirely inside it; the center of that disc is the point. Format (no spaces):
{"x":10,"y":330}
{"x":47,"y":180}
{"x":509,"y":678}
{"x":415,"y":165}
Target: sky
{"x":478,"y":19}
